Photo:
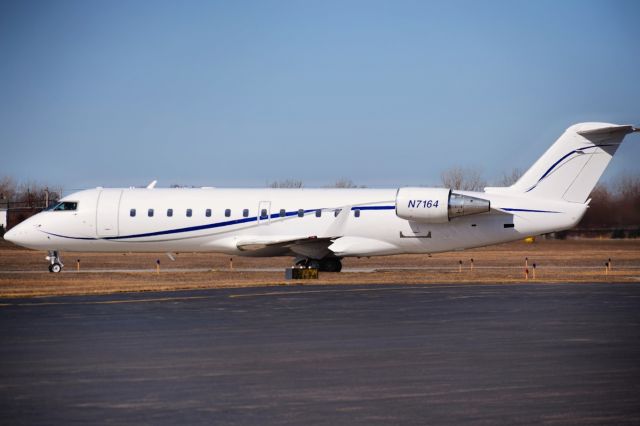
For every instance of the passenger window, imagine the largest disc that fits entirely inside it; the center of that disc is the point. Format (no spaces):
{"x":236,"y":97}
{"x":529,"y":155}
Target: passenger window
{"x":263,"y":214}
{"x":356,"y":212}
{"x":245,"y":213}
{"x":282,"y":213}
{"x":65,"y":206}
{"x":318,"y":213}
{"x":227,"y":213}
{"x":169,"y":212}
{"x":150,"y":212}
{"x":189,"y":212}
{"x":132,"y":212}
{"x":300,"y":213}
{"x":207,"y":212}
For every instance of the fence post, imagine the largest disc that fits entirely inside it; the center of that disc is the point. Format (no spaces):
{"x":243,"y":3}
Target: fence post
{"x":533,"y":272}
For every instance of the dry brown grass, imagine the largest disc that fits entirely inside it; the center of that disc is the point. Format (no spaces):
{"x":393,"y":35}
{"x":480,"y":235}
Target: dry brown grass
{"x":557,"y":261}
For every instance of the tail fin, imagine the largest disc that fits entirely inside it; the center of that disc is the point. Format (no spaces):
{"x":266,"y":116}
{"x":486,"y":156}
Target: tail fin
{"x":572,"y":166}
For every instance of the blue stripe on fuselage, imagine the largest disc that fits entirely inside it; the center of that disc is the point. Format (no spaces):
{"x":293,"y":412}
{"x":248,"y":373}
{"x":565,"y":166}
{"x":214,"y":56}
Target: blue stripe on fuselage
{"x":528,"y":210}
{"x":215,"y":225}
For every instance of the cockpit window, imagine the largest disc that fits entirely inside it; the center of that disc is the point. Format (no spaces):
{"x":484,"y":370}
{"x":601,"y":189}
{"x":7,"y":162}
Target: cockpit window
{"x":65,"y":206}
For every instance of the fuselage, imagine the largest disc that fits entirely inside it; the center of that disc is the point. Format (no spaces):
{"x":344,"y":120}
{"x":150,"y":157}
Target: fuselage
{"x":230,"y":220}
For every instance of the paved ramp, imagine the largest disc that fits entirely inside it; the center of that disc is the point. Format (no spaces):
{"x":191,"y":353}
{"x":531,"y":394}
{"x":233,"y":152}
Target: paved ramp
{"x":434,"y":354}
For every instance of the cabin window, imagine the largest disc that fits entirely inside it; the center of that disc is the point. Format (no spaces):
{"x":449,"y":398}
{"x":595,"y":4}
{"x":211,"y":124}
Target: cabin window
{"x":65,"y":206}
{"x":508,"y":225}
{"x":263,"y":214}
{"x":356,"y":212}
{"x":207,"y":212}
{"x":245,"y":213}
{"x":132,"y":212}
{"x":227,"y":213}
{"x":169,"y":212}
{"x":150,"y":212}
{"x":300,"y":213}
{"x":189,"y":212}
{"x":318,"y":213}
{"x":283,"y":213}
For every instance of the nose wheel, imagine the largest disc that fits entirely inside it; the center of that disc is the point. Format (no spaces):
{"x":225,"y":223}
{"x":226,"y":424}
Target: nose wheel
{"x":55,"y":263}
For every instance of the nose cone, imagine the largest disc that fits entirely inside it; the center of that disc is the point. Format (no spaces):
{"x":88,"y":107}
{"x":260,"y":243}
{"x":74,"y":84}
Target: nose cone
{"x":11,"y":235}
{"x":22,"y":234}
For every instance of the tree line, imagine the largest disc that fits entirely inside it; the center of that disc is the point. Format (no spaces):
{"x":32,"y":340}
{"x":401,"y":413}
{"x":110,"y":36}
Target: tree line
{"x":27,"y":194}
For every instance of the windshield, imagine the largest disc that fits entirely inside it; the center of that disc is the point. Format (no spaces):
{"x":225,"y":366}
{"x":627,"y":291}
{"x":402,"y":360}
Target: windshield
{"x":64,"y":206}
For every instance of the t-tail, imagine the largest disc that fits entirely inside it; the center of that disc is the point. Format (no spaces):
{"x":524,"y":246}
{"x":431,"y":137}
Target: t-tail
{"x":572,"y":166}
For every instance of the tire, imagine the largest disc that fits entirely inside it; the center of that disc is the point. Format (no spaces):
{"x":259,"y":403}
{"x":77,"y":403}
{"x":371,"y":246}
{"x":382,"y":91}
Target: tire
{"x":330,"y":264}
{"x":55,"y":268}
{"x":314,"y":264}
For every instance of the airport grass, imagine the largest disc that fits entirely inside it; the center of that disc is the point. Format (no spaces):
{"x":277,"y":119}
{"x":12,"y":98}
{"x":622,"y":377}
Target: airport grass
{"x":23,"y":273}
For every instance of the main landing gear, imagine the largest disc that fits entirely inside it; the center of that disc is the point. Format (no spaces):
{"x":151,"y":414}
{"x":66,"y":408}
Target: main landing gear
{"x":55,"y":262}
{"x":328,"y":264}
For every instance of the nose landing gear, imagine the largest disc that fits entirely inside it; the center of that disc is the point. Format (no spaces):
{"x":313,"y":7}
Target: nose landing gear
{"x":55,"y":262}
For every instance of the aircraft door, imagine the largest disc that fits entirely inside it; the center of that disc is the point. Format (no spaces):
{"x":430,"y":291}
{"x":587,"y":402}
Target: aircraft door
{"x":107,"y":212}
{"x":264,"y":212}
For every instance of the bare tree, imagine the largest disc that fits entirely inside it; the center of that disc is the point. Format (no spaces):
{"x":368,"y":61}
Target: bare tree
{"x":286,"y":183}
{"x":598,"y":214}
{"x":8,"y":188}
{"x":627,"y":186}
{"x":466,"y":179}
{"x":616,"y":205}
{"x":509,"y":178}
{"x":31,"y":192}
{"x":343,"y":183}
{"x":627,"y":194}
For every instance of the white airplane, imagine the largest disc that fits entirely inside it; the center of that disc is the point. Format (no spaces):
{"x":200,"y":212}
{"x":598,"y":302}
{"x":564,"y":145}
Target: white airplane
{"x":321,"y":226}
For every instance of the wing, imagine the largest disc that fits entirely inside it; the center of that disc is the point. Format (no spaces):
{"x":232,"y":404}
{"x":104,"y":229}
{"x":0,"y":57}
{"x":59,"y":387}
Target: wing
{"x":313,"y":246}
{"x":308,"y":246}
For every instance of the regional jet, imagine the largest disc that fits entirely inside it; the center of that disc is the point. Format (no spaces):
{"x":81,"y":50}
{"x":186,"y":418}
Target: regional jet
{"x":319,"y":227}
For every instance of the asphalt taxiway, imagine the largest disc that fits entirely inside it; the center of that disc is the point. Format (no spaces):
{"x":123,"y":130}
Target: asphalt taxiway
{"x":418,"y":354}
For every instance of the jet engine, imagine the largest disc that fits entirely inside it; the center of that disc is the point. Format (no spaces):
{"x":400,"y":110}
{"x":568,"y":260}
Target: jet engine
{"x":436,"y":205}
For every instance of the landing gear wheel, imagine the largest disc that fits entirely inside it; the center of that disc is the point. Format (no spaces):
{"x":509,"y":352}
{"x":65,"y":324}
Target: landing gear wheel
{"x":55,"y":268}
{"x":330,"y":264}
{"x":55,"y":263}
{"x":309,"y":263}
{"x":313,"y":264}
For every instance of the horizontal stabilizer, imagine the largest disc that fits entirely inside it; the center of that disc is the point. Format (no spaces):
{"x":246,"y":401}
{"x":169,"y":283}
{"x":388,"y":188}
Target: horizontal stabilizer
{"x":603,"y":131}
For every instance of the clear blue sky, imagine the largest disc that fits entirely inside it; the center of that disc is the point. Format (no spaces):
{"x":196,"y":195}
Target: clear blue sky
{"x":238,"y":93}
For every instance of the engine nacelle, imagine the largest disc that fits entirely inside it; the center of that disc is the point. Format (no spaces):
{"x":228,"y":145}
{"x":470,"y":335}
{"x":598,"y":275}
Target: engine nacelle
{"x":436,"y":205}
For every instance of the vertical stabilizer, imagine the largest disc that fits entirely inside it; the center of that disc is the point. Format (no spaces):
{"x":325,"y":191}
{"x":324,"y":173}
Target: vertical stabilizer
{"x":571,"y":167}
